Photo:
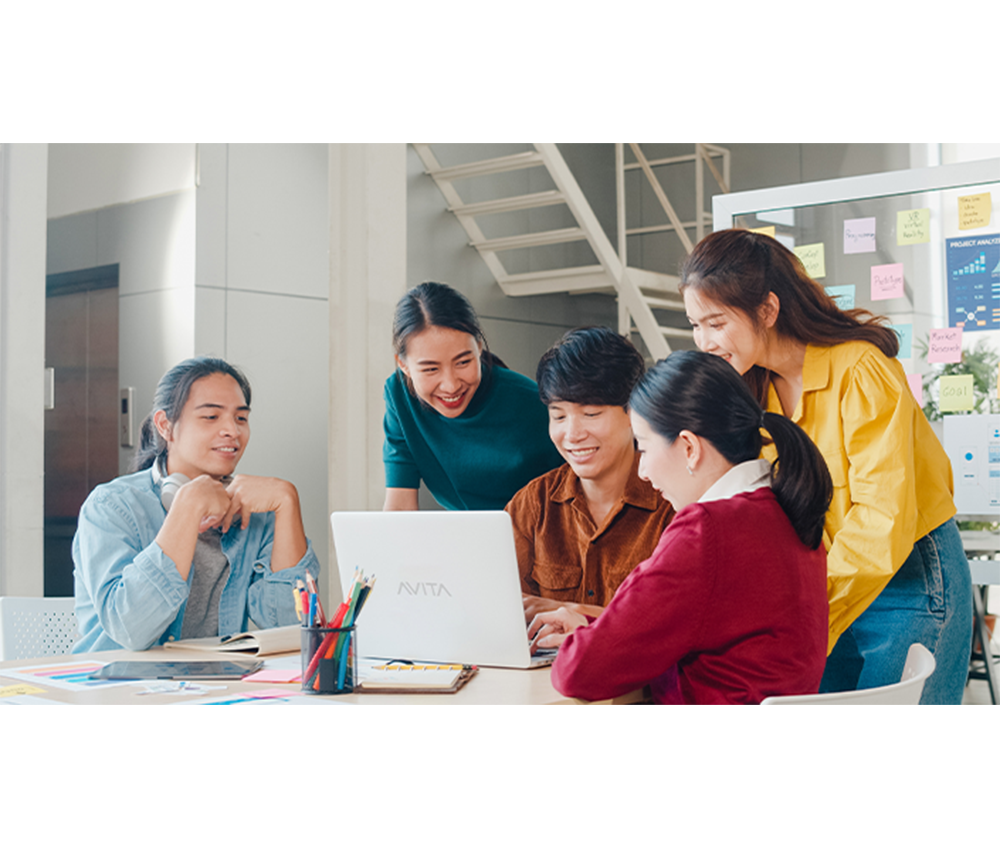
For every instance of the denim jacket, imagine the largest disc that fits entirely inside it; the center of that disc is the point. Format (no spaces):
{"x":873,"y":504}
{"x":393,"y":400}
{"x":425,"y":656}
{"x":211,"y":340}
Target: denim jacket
{"x":130,"y":595}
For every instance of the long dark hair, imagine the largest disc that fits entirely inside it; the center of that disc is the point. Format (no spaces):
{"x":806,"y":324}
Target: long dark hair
{"x":740,"y":268}
{"x":433,"y":304}
{"x":704,"y":395}
{"x":172,"y":393}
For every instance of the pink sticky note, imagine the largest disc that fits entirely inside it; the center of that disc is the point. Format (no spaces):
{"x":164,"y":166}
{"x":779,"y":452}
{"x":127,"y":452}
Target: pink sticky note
{"x":945,"y":346}
{"x":887,"y":281}
{"x":916,"y":386}
{"x":859,"y":235}
{"x":275,"y":676}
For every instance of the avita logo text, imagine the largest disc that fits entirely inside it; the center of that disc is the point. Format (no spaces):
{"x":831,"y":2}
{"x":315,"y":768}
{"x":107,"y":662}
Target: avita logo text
{"x":433,"y":590}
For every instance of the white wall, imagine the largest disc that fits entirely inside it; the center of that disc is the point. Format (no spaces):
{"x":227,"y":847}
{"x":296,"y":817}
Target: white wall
{"x":961,"y":152}
{"x":85,"y":176}
{"x":368,"y":237}
{"x":261,"y":301}
{"x":22,"y":362}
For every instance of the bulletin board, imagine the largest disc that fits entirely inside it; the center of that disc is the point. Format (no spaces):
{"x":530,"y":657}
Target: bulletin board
{"x":921,"y":247}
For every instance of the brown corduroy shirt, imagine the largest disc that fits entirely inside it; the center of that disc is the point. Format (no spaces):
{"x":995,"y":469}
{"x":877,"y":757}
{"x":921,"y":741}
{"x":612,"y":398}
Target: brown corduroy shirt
{"x":564,"y":555}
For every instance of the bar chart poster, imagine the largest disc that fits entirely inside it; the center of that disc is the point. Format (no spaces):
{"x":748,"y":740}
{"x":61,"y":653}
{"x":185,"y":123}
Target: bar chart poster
{"x":974,"y":282}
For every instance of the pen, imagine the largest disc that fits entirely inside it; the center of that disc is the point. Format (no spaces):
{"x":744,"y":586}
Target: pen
{"x":311,"y":586}
{"x":342,"y":673}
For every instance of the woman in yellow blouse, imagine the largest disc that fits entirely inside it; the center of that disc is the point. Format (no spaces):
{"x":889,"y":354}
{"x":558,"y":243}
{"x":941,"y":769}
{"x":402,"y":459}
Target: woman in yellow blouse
{"x":897,"y":572}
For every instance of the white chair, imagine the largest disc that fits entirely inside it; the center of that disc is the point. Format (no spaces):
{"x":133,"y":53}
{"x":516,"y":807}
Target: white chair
{"x":36,"y":627}
{"x":917,"y":669}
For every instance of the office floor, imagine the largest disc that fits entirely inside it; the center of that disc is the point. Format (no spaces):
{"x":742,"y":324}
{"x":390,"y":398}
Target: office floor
{"x":977,"y":692}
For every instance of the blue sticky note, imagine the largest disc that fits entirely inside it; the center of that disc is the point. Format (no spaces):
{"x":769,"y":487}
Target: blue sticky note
{"x":843,"y":295}
{"x":904,"y":331}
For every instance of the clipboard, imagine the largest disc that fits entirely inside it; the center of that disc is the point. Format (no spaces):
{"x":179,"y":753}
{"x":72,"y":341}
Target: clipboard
{"x":416,"y":678}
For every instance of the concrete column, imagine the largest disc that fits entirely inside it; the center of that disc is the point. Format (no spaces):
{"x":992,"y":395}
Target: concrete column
{"x":367,"y":278}
{"x":23,"y":190}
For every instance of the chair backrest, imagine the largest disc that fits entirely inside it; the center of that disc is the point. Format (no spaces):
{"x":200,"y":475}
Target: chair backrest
{"x":917,"y":669}
{"x":36,"y":627}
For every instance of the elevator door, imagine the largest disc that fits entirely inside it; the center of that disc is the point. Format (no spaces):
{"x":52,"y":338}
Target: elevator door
{"x":81,"y":431}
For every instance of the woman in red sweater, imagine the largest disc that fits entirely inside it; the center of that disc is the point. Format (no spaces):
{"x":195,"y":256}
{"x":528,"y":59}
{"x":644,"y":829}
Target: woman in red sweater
{"x":732,"y":606}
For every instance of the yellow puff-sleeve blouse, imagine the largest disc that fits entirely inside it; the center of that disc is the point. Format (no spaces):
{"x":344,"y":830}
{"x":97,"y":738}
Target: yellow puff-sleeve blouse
{"x":892,"y":480}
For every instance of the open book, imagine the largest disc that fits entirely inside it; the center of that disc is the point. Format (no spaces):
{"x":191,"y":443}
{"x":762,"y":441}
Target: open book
{"x":260,"y":642}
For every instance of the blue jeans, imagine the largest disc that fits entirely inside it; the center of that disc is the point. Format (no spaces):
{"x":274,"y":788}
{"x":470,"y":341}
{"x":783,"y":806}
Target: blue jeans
{"x":929,"y":601}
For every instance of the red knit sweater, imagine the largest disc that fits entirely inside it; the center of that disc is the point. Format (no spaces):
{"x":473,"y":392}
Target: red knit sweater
{"x":731,"y":607}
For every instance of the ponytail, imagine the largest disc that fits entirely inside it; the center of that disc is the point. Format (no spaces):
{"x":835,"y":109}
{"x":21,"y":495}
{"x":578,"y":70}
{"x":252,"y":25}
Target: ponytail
{"x":704,"y":395}
{"x":151,"y":448}
{"x":800,"y":479}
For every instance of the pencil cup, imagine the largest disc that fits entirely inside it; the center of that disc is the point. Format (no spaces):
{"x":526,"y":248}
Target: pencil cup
{"x":329,"y":660}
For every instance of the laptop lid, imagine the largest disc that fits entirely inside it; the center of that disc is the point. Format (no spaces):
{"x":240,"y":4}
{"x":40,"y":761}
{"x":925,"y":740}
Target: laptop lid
{"x":447,"y":586}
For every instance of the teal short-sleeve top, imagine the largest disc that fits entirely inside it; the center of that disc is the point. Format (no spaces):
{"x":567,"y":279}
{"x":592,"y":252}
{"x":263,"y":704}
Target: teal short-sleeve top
{"x":477,"y":460}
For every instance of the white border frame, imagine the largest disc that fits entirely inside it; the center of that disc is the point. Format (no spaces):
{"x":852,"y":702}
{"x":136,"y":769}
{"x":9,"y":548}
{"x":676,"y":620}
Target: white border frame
{"x":725,"y":208}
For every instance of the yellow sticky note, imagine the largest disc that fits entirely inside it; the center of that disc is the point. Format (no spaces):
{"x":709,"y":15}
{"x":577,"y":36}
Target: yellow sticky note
{"x":813,"y":258}
{"x":20,"y":690}
{"x":955,"y":393}
{"x":913,"y":226}
{"x":974,"y":211}
{"x":767,"y":229}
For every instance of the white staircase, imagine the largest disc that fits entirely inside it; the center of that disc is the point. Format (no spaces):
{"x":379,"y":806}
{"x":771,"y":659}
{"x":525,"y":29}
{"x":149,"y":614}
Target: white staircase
{"x":642,"y":294}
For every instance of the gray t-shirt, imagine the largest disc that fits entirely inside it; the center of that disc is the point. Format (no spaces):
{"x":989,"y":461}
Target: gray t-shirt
{"x":209,"y":570}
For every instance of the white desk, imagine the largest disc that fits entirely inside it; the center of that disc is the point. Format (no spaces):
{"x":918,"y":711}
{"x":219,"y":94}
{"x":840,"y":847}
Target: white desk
{"x":490,"y":687}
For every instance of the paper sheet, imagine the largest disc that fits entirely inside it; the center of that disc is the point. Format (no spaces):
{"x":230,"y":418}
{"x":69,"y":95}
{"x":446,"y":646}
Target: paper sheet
{"x":63,"y":676}
{"x":813,"y":259}
{"x":974,"y":211}
{"x":859,"y":235}
{"x":887,"y":281}
{"x":913,"y":226}
{"x":843,"y":295}
{"x":955,"y":393}
{"x":904,"y":331}
{"x":945,"y":346}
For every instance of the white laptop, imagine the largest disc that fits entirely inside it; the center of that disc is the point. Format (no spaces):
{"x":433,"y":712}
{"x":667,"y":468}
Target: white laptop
{"x":446,"y":588}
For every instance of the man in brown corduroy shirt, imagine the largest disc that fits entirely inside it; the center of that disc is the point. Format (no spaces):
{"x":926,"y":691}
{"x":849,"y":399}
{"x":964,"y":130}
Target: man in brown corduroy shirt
{"x":581,"y":528}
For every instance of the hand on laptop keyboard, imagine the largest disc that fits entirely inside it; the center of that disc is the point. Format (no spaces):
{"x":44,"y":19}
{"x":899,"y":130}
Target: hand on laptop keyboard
{"x":548,"y":629}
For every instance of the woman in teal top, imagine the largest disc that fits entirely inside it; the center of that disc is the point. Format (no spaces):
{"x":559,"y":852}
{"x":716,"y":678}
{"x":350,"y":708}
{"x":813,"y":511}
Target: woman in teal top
{"x":455,"y":416}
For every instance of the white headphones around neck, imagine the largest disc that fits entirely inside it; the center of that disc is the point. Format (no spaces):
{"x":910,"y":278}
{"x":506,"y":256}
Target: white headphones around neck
{"x":169,"y":488}
{"x":170,"y":485}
